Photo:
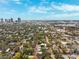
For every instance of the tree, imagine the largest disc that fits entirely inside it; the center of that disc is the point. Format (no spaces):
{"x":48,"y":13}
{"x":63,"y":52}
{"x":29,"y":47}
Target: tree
{"x":18,"y":55}
{"x":28,"y":51}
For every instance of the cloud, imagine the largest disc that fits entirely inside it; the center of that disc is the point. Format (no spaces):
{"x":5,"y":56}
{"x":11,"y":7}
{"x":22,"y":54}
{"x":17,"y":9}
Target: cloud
{"x":65,"y":7}
{"x":67,"y":15}
{"x":54,"y":8}
{"x":57,"y":11}
{"x":44,"y":2}
{"x":17,"y":1}
{"x":45,"y":9}
{"x":8,"y":1}
{"x":64,"y":16}
{"x":7,"y":11}
{"x":3,"y":1}
{"x":70,"y":7}
{"x":39,"y":9}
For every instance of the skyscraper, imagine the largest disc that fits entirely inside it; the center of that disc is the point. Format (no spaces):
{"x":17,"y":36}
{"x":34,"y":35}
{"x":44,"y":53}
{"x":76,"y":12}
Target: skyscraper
{"x":2,"y":20}
{"x":19,"y":20}
{"x":11,"y":20}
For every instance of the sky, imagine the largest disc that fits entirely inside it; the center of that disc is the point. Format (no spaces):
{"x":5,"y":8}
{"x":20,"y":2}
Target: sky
{"x":40,"y":9}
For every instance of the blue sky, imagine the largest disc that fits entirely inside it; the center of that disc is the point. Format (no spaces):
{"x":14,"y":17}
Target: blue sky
{"x":40,"y":9}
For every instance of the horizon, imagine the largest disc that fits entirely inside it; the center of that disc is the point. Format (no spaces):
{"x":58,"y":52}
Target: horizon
{"x":15,"y":19}
{"x":40,"y":9}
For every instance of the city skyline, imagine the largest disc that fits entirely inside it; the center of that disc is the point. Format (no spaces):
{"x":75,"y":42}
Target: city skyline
{"x":40,"y":9}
